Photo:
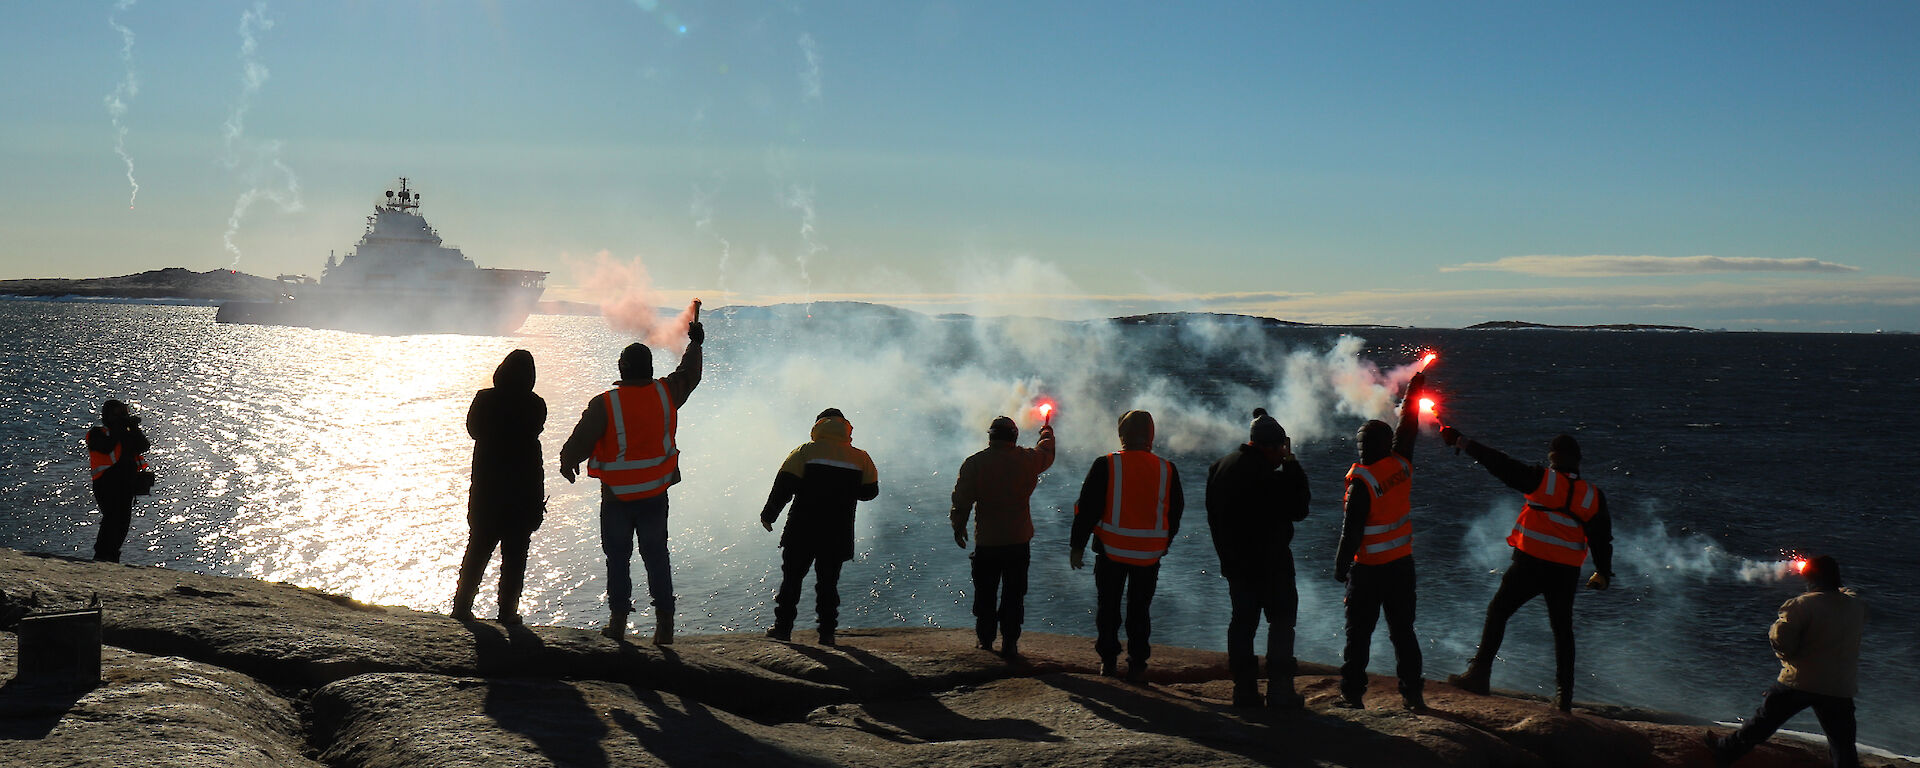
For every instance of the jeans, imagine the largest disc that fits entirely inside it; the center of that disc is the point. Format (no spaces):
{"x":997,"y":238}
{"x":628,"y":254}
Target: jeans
{"x":1373,"y":590}
{"x":1780,"y":704}
{"x":1526,"y":577}
{"x":1000,"y":592}
{"x":1137,"y":582}
{"x":1272,"y":594}
{"x":621,"y":524}
{"x":116,"y":516}
{"x":513,"y":567}
{"x":794,"y":564}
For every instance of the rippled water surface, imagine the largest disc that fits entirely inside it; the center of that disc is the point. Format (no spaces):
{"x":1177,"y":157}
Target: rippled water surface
{"x":340,"y":462}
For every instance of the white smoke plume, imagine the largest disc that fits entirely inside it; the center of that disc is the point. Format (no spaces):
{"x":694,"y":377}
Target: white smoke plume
{"x":631,"y":305}
{"x":810,"y":76}
{"x":123,"y":93}
{"x":701,"y":209}
{"x":800,"y":199}
{"x":256,"y":162}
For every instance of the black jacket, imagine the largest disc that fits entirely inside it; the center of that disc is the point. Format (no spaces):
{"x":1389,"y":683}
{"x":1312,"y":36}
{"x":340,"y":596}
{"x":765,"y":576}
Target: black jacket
{"x":1251,"y":508}
{"x":1526,"y":478}
{"x":509,"y":481}
{"x":118,"y":477}
{"x":824,"y":478}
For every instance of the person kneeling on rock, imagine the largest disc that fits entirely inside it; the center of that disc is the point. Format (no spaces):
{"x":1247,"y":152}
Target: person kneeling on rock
{"x":824,"y":478}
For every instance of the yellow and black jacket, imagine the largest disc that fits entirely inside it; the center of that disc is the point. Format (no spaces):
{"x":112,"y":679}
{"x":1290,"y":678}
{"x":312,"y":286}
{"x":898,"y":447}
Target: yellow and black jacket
{"x":824,"y":478}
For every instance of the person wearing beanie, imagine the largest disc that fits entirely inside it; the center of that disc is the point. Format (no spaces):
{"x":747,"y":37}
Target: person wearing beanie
{"x":1375,"y":556}
{"x":1254,"y":496}
{"x":998,"y":481}
{"x":507,"y":498}
{"x":1130,"y":505}
{"x":824,"y":478}
{"x":1563,"y":520}
{"x":1817,"y":637}
{"x":627,"y":437}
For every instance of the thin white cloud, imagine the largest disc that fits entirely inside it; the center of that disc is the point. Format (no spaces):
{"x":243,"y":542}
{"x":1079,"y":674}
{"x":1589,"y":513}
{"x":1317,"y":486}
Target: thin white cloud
{"x":1631,"y":266}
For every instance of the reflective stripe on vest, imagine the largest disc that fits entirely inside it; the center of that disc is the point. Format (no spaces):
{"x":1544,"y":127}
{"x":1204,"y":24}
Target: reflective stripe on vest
{"x":1388,"y":534}
{"x":97,"y":462}
{"x":627,"y":459}
{"x":1134,"y":528}
{"x":1552,"y":525}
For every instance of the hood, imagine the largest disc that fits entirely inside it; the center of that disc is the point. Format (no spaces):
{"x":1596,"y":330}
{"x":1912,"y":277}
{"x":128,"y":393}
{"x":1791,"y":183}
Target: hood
{"x":515,"y":373}
{"x":833,"y":429}
{"x":1375,"y":440}
{"x":1136,"y":431}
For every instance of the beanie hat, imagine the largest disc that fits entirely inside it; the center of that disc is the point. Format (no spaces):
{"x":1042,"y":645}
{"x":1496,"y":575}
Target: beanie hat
{"x":1003,"y":429}
{"x":830,"y":413}
{"x":1265,"y":430}
{"x":1566,"y":450}
{"x":1136,"y":430}
{"x":636,"y":362}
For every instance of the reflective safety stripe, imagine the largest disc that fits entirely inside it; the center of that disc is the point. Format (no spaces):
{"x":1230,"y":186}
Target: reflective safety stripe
{"x":1556,"y":516}
{"x":1368,"y":476}
{"x":639,"y":488}
{"x":619,"y":420}
{"x":1386,"y":527}
{"x":1115,"y":553}
{"x":837,"y":463}
{"x":1122,"y":535}
{"x":1390,"y":544}
{"x":1550,"y":539}
{"x":1553,"y":483}
{"x":1142,"y":533}
{"x":1587,"y":500}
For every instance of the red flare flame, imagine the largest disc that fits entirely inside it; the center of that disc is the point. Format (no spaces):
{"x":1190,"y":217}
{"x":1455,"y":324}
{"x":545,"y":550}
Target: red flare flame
{"x":1429,"y":405}
{"x":1799,"y":565}
{"x":1428,"y":360}
{"x":1045,"y":410}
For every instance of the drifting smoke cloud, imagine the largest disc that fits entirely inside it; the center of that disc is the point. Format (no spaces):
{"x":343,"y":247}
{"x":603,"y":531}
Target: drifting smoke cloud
{"x":701,"y":211}
{"x":116,"y":101}
{"x":810,"y":75}
{"x":257,"y":162}
{"x":800,"y":199}
{"x":631,"y":306}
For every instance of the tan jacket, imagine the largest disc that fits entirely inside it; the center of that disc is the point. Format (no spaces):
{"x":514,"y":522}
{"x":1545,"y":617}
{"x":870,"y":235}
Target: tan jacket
{"x":998,"y":481}
{"x":1817,"y":638}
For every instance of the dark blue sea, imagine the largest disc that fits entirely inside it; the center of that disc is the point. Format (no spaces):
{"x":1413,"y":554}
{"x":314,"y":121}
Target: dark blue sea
{"x":340,"y":461}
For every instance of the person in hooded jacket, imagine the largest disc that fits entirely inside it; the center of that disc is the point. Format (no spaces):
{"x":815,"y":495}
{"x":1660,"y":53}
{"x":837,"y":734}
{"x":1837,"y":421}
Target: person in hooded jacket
{"x":1130,"y":505}
{"x":1817,"y":637}
{"x":507,"y":498}
{"x":999,"y":482}
{"x":824,"y":478}
{"x":1254,"y":496}
{"x":116,"y":452}
{"x":1563,"y":520}
{"x":1375,"y":558}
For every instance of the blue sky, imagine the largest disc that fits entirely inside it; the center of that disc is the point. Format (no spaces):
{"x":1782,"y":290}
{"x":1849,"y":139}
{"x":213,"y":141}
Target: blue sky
{"x":1742,"y":165}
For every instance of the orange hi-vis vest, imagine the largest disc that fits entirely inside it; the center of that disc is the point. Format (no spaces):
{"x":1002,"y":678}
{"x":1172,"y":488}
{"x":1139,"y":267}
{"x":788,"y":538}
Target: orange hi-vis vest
{"x":1388,"y":535}
{"x":1552,"y":526}
{"x":99,"y":462}
{"x":1133,"y":529}
{"x":636,"y":457}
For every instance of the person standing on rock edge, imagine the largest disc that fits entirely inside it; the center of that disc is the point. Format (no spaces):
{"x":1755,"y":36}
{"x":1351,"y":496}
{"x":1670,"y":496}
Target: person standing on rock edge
{"x":628,"y":433}
{"x":1254,"y":496}
{"x":1130,"y":504}
{"x":1375,"y":559}
{"x":1563,"y":519}
{"x":1817,"y":637}
{"x":116,"y":457}
{"x":825,"y":478}
{"x":507,"y":498}
{"x":999,"y":481}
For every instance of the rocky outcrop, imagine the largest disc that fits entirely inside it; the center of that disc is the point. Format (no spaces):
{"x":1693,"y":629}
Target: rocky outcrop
{"x":204,"y":670}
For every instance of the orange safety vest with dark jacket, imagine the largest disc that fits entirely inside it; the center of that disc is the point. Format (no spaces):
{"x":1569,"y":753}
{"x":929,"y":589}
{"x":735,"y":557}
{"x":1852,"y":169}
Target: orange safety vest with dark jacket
{"x":100,"y":461}
{"x":1552,"y":524}
{"x":1388,"y":483}
{"x":1133,"y":526}
{"x":636,"y":456}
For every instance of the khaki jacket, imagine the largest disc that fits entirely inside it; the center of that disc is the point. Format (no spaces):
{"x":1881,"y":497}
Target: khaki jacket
{"x":1817,"y":638}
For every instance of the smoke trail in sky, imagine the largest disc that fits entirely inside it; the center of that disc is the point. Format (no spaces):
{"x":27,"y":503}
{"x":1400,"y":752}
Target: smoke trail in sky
{"x":116,"y":101}
{"x":701,"y":209}
{"x":631,"y":305}
{"x":810,"y":76}
{"x":258,"y":163}
{"x":800,"y":199}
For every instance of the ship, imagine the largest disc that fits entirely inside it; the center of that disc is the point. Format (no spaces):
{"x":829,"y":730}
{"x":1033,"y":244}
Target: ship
{"x":401,"y":278}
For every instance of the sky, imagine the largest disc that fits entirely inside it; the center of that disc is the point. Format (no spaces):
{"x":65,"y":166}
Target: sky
{"x":1718,"y":165}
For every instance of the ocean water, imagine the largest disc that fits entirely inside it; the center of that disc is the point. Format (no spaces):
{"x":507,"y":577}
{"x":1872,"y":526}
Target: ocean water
{"x":340,"y":462}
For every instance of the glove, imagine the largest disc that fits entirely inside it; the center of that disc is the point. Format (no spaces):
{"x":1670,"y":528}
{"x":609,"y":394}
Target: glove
{"x":1597,"y":581}
{"x":1046,"y":430}
{"x":569,"y":471}
{"x":960,"y":536}
{"x":1451,"y":436}
{"x":1077,"y":560}
{"x":1340,"y":572}
{"x":767,"y":524}
{"x":1416,"y":384}
{"x":697,"y":333}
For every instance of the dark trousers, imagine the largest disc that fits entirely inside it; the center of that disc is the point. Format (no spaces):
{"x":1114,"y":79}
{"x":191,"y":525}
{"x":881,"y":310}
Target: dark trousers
{"x":1137,"y":582}
{"x":1780,"y":704}
{"x":794,"y":564}
{"x":116,"y":515}
{"x":622,"y":524}
{"x":513,"y":567}
{"x":1270,"y":593}
{"x":1526,"y":577}
{"x":1000,"y":591}
{"x":1371,"y":591}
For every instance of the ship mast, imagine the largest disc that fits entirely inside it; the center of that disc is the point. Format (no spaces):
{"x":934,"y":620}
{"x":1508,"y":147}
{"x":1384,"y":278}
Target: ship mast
{"x":402,"y":200}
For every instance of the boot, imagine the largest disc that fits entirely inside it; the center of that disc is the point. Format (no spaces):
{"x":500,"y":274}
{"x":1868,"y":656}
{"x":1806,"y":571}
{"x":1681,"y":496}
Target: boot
{"x":826,"y":636}
{"x":1137,"y":672}
{"x":1476,"y":679}
{"x":1281,"y":695}
{"x":1246,"y":693}
{"x":1411,"y":695}
{"x":1563,"y":700}
{"x":781,"y":633}
{"x":462,"y":605}
{"x":616,"y":628}
{"x":663,"y":631}
{"x":1109,"y":667}
{"x":1010,"y":649}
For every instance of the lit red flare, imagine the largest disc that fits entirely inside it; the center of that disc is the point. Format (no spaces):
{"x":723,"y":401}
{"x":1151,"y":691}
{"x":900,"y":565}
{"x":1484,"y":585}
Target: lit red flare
{"x":1799,"y":566}
{"x":1044,"y":409}
{"x":1429,"y":406}
{"x":1428,"y":359}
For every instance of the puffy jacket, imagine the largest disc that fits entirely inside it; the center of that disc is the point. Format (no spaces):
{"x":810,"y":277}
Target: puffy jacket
{"x":998,"y":481}
{"x":505,"y":421}
{"x":1817,"y":638}
{"x":1251,"y":508}
{"x":824,"y":478}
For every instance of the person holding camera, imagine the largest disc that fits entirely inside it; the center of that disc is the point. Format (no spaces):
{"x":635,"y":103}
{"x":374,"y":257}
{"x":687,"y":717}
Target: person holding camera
{"x":116,"y":453}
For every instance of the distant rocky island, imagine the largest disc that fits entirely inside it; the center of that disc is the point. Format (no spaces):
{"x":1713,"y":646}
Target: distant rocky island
{"x":211,"y":286}
{"x":1517,"y":325}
